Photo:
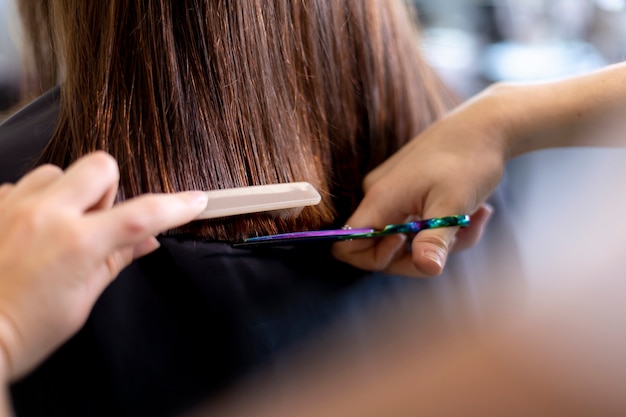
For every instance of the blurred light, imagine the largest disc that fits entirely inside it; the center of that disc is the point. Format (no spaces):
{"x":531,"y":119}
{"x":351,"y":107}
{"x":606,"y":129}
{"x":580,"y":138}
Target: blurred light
{"x":611,"y":5}
{"x":449,"y":48}
{"x":522,"y":61}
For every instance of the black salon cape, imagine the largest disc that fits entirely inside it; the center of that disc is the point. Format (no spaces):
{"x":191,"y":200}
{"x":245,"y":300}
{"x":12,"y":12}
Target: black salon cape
{"x":185,"y":322}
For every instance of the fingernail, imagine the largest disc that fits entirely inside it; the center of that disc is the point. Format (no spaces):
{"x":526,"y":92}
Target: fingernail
{"x":435,"y":257}
{"x":196,"y":198}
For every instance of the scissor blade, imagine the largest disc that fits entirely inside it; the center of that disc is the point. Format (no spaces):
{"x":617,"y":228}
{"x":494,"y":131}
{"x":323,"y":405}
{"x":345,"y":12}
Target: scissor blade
{"x":305,"y":237}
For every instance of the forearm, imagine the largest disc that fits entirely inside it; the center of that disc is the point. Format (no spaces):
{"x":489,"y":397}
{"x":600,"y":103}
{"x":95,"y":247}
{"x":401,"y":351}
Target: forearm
{"x":586,"y":110}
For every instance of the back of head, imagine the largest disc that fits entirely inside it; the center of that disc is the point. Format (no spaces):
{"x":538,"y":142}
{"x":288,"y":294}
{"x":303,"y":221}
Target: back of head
{"x":210,"y":94}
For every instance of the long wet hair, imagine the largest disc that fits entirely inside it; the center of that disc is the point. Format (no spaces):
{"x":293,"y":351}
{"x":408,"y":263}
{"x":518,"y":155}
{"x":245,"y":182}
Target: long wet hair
{"x":211,"y":94}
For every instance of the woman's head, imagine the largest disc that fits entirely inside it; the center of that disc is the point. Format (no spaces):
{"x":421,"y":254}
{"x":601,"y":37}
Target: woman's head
{"x":208,"y":94}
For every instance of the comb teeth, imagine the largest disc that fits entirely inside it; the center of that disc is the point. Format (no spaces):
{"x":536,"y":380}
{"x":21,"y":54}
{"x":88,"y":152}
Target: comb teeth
{"x":259,"y":198}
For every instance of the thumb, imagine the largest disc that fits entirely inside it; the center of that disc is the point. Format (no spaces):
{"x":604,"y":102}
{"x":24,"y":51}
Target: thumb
{"x":430,"y":250}
{"x":431,"y":247}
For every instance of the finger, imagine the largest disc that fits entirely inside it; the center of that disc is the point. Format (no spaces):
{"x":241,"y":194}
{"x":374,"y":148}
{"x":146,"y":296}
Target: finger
{"x":107,"y":199}
{"x":126,"y":231}
{"x":370,"y":254}
{"x":131,"y":222}
{"x":430,"y":248}
{"x":148,"y":245}
{"x":87,"y":182}
{"x":403,"y":265}
{"x":38,"y":179}
{"x":466,"y":237}
{"x":115,"y":262}
{"x":109,"y":268}
{"x":384,"y":204}
{"x":377,"y":209}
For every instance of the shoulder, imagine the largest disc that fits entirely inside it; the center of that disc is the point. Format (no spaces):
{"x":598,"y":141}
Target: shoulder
{"x":25,"y":133}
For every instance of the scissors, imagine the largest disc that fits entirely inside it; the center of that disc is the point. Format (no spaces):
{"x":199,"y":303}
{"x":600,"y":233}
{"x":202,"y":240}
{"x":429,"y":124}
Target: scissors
{"x":347,"y":233}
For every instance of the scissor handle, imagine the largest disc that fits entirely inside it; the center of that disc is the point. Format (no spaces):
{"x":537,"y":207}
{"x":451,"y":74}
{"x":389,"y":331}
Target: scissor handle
{"x":460,"y":220}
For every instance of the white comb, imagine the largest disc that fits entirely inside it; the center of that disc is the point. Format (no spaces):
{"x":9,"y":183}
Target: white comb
{"x":258,"y":198}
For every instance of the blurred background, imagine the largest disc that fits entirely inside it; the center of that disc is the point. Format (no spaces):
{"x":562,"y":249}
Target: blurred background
{"x":477,"y":42}
{"x":474,"y":43}
{"x":9,"y":57}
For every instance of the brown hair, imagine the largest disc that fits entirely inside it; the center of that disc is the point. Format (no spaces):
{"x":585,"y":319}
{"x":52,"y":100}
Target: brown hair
{"x":209,"y":94}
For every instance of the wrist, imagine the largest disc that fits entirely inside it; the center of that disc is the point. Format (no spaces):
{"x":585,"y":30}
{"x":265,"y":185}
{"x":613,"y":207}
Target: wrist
{"x":585,"y":110}
{"x":501,"y":109}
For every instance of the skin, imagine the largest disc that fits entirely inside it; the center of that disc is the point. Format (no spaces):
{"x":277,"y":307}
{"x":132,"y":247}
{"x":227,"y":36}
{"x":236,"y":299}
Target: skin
{"x":455,"y":164}
{"x":63,"y":242}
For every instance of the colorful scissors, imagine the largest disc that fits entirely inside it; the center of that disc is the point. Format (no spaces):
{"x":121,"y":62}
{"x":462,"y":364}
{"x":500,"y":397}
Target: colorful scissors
{"x":347,"y":233}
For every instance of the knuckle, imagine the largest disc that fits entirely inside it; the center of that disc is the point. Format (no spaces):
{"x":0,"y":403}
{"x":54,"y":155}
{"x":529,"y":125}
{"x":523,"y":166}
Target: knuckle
{"x":80,"y":240}
{"x":135,"y":225}
{"x":369,"y":181}
{"x":50,"y":170}
{"x":32,"y":216}
{"x":378,"y":190}
{"x":105,"y":164}
{"x":42,"y":171}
